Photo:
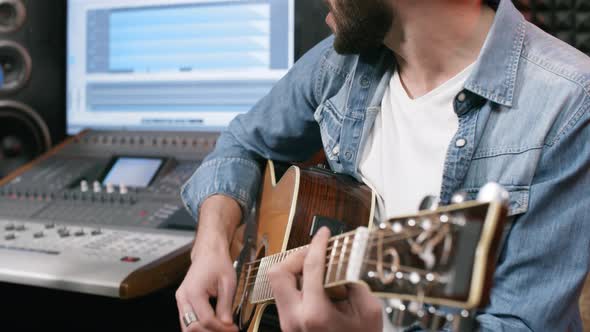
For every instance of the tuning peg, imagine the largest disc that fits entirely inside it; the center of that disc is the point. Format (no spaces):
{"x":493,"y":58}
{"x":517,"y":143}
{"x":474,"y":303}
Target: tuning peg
{"x":432,"y":319}
{"x":429,"y":203}
{"x":459,"y":197}
{"x":399,"y":314}
{"x":493,"y":192}
{"x":463,"y":322}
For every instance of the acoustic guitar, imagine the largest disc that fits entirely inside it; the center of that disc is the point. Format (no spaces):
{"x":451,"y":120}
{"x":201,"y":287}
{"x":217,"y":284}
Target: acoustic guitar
{"x":441,"y":257}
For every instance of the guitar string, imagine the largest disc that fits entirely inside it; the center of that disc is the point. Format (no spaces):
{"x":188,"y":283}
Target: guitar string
{"x":333,"y":239}
{"x":386,"y":240}
{"x":254,"y":277}
{"x":289,"y":253}
{"x":265,"y":286}
{"x":365,"y":261}
{"x":402,"y":268}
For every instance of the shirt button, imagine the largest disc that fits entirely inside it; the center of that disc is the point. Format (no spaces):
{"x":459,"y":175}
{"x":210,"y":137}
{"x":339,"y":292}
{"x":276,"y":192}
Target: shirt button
{"x":461,"y":142}
{"x":365,"y":82}
{"x":336,"y":150}
{"x":461,"y":97}
{"x":348,"y":155}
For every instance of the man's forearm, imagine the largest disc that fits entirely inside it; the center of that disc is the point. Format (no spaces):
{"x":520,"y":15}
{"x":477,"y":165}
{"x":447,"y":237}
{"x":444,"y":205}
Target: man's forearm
{"x":219,"y":217}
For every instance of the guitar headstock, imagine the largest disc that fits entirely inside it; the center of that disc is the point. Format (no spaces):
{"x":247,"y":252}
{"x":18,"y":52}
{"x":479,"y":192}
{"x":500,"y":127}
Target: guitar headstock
{"x":442,"y":257}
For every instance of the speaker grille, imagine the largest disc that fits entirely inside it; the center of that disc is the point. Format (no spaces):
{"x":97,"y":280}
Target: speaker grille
{"x":23,"y":135}
{"x":13,"y":14}
{"x":16,"y":66}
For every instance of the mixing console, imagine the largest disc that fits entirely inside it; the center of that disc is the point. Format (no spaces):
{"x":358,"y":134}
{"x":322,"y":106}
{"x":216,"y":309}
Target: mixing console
{"x":64,"y":225}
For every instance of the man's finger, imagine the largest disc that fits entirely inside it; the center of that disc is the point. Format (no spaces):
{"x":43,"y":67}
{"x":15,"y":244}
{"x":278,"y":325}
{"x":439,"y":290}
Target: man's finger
{"x":225,"y":293}
{"x":363,"y":301}
{"x":183,"y":307}
{"x":283,"y":280}
{"x":206,"y":316}
{"x":314,"y":268}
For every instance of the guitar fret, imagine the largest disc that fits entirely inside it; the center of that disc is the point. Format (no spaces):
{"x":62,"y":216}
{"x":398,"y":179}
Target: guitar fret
{"x":266,"y":280}
{"x":249,"y":289}
{"x":331,"y":261}
{"x":274,"y":261}
{"x":341,"y":260}
{"x":257,"y":282}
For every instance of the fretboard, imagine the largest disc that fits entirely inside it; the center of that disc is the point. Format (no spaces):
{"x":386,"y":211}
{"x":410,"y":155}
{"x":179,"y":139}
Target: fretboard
{"x":339,"y":258}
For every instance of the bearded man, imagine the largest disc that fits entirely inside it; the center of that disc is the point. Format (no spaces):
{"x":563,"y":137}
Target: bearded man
{"x":415,"y":97}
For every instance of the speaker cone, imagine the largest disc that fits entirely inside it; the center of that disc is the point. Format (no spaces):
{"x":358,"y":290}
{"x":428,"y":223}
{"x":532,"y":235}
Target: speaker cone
{"x":16,"y":65}
{"x":23,"y":135}
{"x":12,"y":15}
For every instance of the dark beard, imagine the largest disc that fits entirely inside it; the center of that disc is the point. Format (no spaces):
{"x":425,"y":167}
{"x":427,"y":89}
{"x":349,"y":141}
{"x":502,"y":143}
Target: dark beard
{"x":361,"y":25}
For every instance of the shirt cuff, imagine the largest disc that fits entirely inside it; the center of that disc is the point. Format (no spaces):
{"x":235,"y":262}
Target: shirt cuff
{"x":237,"y":178}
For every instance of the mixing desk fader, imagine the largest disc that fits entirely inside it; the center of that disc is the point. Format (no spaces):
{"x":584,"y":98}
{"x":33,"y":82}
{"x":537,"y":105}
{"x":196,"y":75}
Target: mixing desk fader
{"x":101,"y":213}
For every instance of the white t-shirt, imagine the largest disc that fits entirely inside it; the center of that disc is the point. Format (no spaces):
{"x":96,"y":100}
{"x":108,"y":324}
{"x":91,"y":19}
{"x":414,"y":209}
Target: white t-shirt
{"x":403,"y":160}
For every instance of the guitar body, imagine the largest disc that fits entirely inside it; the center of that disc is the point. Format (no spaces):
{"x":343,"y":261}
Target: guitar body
{"x":289,"y":212}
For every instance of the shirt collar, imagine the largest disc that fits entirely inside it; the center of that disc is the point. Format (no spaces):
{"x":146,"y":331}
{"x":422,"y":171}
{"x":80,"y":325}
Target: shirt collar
{"x":494,"y":74}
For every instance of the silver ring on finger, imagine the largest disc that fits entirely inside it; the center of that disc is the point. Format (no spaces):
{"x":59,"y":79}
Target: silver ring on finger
{"x":189,"y":317}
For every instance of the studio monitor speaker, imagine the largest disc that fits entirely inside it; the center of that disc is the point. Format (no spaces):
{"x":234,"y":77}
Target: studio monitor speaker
{"x":32,"y":79}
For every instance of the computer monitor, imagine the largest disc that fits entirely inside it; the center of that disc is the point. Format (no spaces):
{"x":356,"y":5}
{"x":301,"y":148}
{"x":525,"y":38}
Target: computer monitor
{"x":172,"y":65}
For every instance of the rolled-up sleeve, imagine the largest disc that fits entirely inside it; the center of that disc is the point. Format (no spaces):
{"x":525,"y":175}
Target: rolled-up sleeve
{"x":237,"y":178}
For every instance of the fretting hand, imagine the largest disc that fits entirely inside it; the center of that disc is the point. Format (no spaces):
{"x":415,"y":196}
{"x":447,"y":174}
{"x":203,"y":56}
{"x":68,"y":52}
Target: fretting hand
{"x":309,"y":309}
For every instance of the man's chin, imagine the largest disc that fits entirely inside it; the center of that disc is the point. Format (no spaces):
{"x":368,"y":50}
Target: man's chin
{"x":348,"y":47}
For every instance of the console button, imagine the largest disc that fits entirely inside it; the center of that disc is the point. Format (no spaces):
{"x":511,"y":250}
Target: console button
{"x":130,"y":259}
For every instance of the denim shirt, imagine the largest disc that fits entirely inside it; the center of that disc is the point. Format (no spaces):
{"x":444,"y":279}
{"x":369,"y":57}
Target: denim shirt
{"x":524,"y":122}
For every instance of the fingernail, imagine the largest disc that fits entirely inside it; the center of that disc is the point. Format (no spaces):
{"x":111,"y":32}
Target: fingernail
{"x":325,"y":231}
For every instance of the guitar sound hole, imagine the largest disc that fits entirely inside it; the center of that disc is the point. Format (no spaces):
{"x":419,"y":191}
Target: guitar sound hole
{"x":249,"y":309}
{"x":270,"y":320}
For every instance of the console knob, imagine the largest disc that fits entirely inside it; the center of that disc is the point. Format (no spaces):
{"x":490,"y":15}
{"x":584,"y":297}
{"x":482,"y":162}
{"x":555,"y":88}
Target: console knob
{"x":123,"y":189}
{"x":83,"y":186}
{"x":96,"y":187}
{"x":110,"y":188}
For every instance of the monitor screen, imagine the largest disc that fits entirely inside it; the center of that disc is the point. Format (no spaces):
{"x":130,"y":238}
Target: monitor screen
{"x":132,"y":172}
{"x":173,"y":64}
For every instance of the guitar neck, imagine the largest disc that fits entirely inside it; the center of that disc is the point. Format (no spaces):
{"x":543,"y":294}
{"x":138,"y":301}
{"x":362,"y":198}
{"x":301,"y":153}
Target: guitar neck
{"x":442,"y":257}
{"x":340,"y":263}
